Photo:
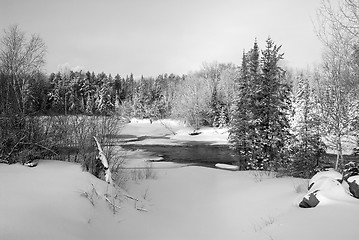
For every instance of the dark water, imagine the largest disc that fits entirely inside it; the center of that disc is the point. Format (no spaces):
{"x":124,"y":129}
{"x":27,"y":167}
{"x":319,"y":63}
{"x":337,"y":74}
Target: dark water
{"x":197,"y":153}
{"x":203,"y":155}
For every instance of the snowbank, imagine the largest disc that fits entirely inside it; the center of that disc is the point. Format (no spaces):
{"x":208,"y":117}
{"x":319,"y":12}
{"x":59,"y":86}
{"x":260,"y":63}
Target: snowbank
{"x":227,"y":167}
{"x":172,"y":132}
{"x":331,"y":173}
{"x":45,"y":202}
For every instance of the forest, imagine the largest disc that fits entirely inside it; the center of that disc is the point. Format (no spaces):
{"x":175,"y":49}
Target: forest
{"x":278,"y":118}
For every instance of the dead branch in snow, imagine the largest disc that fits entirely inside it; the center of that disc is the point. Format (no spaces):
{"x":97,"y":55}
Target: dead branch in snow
{"x":167,"y":127}
{"x":41,"y":146}
{"x":134,"y":199}
{"x":114,"y":206}
{"x":142,"y":209}
{"x":159,"y":119}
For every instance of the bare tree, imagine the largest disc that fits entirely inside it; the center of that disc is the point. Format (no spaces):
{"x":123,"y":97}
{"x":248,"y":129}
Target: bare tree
{"x":339,"y":110}
{"x":20,"y":60}
{"x":337,"y":19}
{"x":337,"y":27}
{"x":191,"y":101}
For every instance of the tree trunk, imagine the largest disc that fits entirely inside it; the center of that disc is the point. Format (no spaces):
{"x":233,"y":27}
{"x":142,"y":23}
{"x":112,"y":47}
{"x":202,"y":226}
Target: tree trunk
{"x":339,"y":152}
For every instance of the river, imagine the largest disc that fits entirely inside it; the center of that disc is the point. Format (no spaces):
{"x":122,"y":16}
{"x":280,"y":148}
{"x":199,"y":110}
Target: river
{"x":203,"y":155}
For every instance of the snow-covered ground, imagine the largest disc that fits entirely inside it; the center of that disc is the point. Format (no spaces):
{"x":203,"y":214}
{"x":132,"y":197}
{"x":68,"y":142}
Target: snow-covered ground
{"x":56,"y":200}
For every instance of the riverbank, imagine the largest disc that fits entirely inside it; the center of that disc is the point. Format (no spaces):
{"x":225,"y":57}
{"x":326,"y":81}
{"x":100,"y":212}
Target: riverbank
{"x":170,"y":132}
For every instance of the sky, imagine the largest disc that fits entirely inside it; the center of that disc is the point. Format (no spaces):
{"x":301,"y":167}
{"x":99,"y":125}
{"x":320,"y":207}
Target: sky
{"x":152,"y":37}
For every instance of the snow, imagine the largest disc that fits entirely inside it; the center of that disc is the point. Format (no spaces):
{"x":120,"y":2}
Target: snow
{"x":227,"y":167}
{"x":331,"y":173}
{"x":161,"y":133}
{"x":330,"y":190}
{"x":182,"y":202}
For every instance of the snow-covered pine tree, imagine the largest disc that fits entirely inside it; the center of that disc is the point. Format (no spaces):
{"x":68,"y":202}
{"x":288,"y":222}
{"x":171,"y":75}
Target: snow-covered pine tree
{"x":74,"y":94}
{"x":272,"y":103}
{"x":259,"y":128}
{"x":240,"y":132}
{"x":214,"y":113}
{"x":270,"y":108}
{"x":307,"y":148}
{"x":157,"y":103}
{"x":103,"y":102}
{"x":223,"y":117}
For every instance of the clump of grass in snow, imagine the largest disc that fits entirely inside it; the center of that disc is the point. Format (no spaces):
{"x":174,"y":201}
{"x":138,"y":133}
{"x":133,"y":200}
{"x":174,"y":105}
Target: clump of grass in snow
{"x":90,"y":195}
{"x":260,"y":175}
{"x":143,"y":173}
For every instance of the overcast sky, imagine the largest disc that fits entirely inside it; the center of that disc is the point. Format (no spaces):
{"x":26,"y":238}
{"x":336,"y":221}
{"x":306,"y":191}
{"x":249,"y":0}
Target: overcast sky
{"x":151,"y":37}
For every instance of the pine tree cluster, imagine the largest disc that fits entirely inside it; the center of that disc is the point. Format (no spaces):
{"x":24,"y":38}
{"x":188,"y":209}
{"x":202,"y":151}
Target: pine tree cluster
{"x":259,"y":128}
{"x":72,"y":93}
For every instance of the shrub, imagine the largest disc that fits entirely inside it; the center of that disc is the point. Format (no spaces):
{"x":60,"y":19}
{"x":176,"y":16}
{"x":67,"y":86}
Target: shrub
{"x":22,"y":139}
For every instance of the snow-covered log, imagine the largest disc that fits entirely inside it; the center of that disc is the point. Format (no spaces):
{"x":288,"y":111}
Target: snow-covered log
{"x":32,"y":163}
{"x":227,"y":167}
{"x":102,"y":157}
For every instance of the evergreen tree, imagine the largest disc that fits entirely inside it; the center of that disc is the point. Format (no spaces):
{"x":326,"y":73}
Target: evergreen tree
{"x":118,"y":89}
{"x":223,"y":117}
{"x":215,"y":108}
{"x":89,"y":93}
{"x":259,"y":129}
{"x":104,"y":96}
{"x":74,"y":93}
{"x":240,"y":131}
{"x":271,"y":107}
{"x":157,"y":100}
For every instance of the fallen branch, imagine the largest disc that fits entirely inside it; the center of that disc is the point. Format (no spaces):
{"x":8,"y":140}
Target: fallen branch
{"x":102,"y":157}
{"x":48,"y":149}
{"x":167,"y":127}
{"x":159,"y":119}
{"x":39,"y":145}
